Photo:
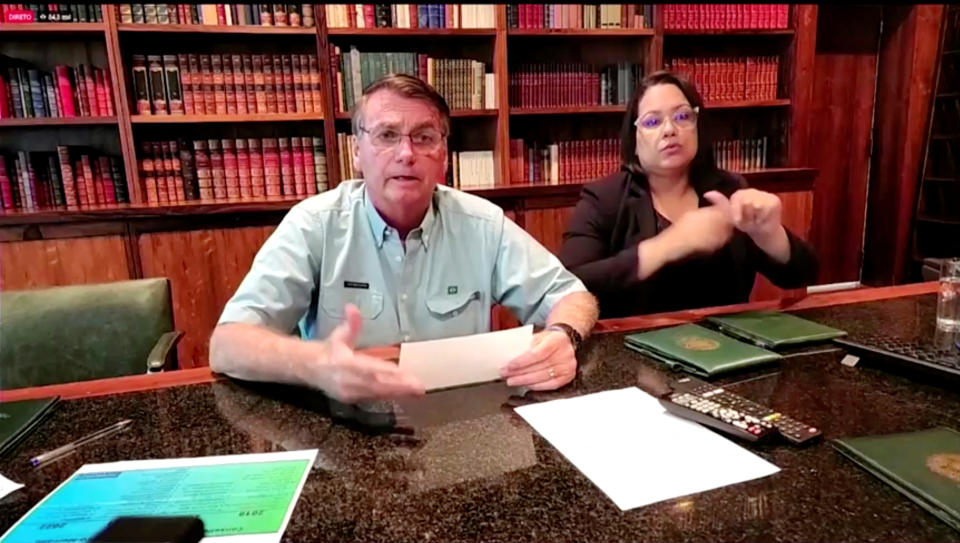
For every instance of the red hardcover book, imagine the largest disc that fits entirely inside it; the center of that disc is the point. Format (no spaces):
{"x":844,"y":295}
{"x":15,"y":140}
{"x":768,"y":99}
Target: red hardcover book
{"x":256,"y":168}
{"x":299,"y":180}
{"x":289,"y":92}
{"x":217,"y":171}
{"x":64,"y":89}
{"x":259,"y":87}
{"x":309,"y":168}
{"x":286,"y":167}
{"x":100,"y":89}
{"x":369,"y":16}
{"x":271,"y":168}
{"x":66,"y":176}
{"x":146,"y":173}
{"x":231,"y":175}
{"x":201,"y":160}
{"x":89,"y":181}
{"x":243,"y":169}
{"x":6,"y":188}
{"x":249,"y":84}
{"x":238,"y":83}
{"x":105,"y":179}
{"x":221,"y":14}
{"x":414,"y":22}
{"x":90,"y":89}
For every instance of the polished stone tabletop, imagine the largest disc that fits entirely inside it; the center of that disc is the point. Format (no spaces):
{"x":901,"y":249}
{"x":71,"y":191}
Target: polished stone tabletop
{"x":460,"y":465}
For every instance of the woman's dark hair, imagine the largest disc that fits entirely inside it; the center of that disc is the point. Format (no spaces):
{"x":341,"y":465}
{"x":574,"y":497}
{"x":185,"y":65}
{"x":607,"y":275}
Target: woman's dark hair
{"x":704,"y":173}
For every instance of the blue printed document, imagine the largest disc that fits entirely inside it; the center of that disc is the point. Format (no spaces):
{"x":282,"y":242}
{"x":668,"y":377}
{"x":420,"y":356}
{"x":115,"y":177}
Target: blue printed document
{"x":240,"y":498}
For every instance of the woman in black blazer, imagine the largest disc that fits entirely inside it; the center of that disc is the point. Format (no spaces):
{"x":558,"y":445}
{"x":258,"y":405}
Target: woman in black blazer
{"x":670,"y":230}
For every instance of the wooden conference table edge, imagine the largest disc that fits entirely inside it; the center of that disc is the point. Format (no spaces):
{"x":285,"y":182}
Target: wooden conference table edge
{"x":138,"y":383}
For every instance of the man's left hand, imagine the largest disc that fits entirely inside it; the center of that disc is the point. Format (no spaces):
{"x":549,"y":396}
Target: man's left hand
{"x":549,"y":364}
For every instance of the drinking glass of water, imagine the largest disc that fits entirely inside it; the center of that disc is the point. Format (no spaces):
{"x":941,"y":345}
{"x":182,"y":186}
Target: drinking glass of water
{"x":948,"y":300}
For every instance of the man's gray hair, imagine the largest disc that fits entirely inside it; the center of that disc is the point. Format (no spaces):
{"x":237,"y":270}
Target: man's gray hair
{"x":407,"y":86}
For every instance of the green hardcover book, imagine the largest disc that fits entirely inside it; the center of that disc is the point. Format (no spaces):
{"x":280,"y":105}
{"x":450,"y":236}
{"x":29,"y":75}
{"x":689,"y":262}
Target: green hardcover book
{"x":698,"y":350}
{"x":923,"y":465}
{"x":19,"y":419}
{"x":770,"y":329}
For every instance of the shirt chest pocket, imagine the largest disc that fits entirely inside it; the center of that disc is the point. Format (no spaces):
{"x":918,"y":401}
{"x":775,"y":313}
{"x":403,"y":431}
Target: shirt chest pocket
{"x":445,"y":307}
{"x":333,"y":301}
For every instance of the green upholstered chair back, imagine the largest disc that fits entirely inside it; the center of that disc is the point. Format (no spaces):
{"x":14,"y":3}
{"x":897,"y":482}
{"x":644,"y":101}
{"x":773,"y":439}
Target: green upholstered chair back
{"x":81,"y":332}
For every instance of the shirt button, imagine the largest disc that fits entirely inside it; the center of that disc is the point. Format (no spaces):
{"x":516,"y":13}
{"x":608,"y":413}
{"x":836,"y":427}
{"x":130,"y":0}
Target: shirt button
{"x":403,"y":296}
{"x":399,"y":259}
{"x":406,"y":338}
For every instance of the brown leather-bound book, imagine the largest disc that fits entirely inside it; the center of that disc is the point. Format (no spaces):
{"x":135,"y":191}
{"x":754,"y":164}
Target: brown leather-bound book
{"x":217,"y":171}
{"x":229,"y":93}
{"x":232,"y":177}
{"x":238,"y":83}
{"x":201,"y":159}
{"x":186,"y":83}
{"x":271,"y":168}
{"x":171,"y":71}
{"x":66,"y":176}
{"x":170,"y":173}
{"x":188,"y":171}
{"x":249,"y":85}
{"x":309,"y":169}
{"x":269,"y":88}
{"x":286,"y":167}
{"x":320,"y":164}
{"x":297,"y":75}
{"x":219,"y":93}
{"x":266,"y":15}
{"x":141,"y":92}
{"x":147,"y":174}
{"x":280,"y":83}
{"x":103,"y":163}
{"x":257,"y":189}
{"x":279,"y":15}
{"x":158,"y":94}
{"x":160,"y":171}
{"x":206,"y":76}
{"x":89,"y":181}
{"x":289,"y":91}
{"x":296,"y":153}
{"x":194,"y":85}
{"x":315,"y":86}
{"x":243,"y":169}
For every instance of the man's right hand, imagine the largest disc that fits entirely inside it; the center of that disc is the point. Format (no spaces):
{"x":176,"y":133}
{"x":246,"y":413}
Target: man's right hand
{"x":352,"y":377}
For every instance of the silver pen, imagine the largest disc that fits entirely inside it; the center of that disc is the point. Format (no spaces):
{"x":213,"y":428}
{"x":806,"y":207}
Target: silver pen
{"x":72,"y":446}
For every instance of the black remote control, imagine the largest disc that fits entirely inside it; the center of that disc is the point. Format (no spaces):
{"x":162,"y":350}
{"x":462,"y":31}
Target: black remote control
{"x":792,"y":430}
{"x":713,"y":414}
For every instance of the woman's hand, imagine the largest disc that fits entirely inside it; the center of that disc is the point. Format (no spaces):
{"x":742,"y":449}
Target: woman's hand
{"x":758,"y":214}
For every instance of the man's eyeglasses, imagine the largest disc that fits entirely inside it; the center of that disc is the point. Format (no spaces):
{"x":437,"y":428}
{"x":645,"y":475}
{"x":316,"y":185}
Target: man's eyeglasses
{"x":424,"y":140}
{"x":683,"y":117}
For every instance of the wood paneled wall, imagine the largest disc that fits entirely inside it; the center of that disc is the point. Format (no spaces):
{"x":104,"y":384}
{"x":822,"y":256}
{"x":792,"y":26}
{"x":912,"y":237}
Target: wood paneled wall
{"x":845,"y":78}
{"x":798,"y":218}
{"x":205,"y":267}
{"x":907,"y":64}
{"x":58,"y":262}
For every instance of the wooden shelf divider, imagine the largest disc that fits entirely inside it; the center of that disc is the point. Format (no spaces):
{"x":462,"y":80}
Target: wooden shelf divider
{"x":582,"y":33}
{"x":411,"y":32}
{"x":742,"y":104}
{"x":568,"y":110}
{"x":241,"y":118}
{"x":52,"y":28}
{"x":217,"y":29}
{"x":58,"y":121}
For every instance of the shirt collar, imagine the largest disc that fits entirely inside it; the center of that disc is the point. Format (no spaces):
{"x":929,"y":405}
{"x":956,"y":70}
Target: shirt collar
{"x":380,"y":228}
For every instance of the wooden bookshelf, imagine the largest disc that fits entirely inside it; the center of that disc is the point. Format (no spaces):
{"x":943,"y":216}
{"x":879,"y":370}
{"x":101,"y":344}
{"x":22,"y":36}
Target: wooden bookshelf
{"x":581,"y":33}
{"x":454,"y":113}
{"x":410,"y":32}
{"x":58,"y":121}
{"x":244,"y":118}
{"x":743,"y":104}
{"x":52,"y":28}
{"x":730,"y":32}
{"x":568,"y":110}
{"x":217,"y":29}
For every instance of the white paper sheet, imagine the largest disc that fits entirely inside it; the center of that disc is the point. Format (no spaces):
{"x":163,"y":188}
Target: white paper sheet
{"x":7,"y":486}
{"x":457,"y":361}
{"x":636,"y":452}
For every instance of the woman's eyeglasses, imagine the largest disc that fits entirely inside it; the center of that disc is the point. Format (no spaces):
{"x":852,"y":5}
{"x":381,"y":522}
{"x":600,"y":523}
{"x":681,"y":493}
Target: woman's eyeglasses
{"x":683,"y":117}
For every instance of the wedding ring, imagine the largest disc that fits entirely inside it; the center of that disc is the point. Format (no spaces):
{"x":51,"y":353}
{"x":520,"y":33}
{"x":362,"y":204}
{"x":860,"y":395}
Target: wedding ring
{"x":551,"y":373}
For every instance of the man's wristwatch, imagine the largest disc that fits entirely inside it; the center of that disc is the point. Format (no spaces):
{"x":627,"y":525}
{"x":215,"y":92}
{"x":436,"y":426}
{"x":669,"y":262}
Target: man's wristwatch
{"x":575,"y":338}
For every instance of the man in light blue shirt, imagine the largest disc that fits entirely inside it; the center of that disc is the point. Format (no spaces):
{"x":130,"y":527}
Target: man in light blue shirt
{"x":395,"y":258}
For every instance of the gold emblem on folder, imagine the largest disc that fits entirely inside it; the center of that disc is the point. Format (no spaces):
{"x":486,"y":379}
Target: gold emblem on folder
{"x":946,"y":465}
{"x":695,"y":343}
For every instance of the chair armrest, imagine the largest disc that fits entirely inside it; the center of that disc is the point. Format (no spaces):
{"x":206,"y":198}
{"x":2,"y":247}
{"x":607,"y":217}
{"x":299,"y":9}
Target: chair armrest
{"x":158,"y":358}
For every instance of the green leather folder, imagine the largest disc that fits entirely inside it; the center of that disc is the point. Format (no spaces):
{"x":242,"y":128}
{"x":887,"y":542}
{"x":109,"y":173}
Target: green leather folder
{"x":770,"y":329}
{"x":19,"y":419}
{"x":698,"y":350}
{"x":923,"y":465}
